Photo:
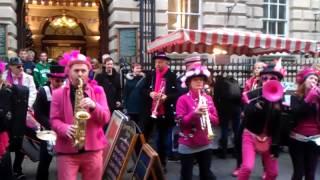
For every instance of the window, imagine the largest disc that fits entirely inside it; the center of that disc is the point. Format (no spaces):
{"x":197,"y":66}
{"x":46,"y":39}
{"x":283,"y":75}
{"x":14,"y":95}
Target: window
{"x":184,"y":14}
{"x":275,"y":17}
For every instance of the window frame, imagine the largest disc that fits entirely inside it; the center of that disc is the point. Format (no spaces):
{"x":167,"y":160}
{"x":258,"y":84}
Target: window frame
{"x":199,"y":14}
{"x":276,"y":20}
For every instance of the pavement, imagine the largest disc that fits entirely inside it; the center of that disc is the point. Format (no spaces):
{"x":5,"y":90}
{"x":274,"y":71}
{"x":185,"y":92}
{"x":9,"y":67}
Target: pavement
{"x":222,"y":168}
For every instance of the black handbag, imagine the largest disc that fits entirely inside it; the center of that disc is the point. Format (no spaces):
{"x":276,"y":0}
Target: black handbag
{"x":31,"y":148}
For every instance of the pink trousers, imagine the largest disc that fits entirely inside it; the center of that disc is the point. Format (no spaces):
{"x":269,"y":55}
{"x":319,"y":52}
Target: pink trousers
{"x":249,"y":156}
{"x":89,"y":164}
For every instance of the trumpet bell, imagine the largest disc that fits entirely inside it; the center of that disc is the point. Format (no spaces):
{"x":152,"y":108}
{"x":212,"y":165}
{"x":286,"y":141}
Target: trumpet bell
{"x":272,"y":91}
{"x":82,"y":115}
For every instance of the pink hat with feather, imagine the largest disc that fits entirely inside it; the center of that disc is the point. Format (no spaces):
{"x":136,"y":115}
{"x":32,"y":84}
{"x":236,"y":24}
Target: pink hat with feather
{"x":74,"y":57}
{"x":195,"y":71}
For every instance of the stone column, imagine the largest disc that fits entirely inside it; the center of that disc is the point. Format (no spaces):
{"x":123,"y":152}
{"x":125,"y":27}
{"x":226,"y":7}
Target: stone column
{"x":8,"y":16}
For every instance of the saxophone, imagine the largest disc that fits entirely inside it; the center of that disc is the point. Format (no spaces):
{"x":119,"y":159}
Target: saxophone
{"x":81,"y":116}
{"x":205,"y":119}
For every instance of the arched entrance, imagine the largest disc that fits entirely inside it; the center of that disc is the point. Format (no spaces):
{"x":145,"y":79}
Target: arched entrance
{"x":89,"y":34}
{"x":57,"y":39}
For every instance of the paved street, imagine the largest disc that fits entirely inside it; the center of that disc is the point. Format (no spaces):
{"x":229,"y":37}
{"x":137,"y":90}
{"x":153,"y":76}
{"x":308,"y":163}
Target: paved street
{"x":222,"y":169}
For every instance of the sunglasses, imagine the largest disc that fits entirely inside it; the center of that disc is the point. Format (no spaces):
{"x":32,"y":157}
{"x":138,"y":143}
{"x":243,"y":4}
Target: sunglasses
{"x":19,"y":67}
{"x":266,"y":78}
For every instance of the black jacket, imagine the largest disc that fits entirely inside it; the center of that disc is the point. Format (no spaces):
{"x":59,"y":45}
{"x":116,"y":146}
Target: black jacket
{"x":132,"y":95}
{"x":300,"y":110}
{"x":41,"y":108}
{"x":170,"y":91}
{"x":256,"y":119}
{"x":5,"y":107}
{"x":112,"y":87}
{"x":227,"y":96}
{"x":19,"y":112}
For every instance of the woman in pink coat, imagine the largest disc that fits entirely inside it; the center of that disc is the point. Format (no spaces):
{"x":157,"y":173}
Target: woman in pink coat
{"x":193,"y":141}
{"x":87,"y":159}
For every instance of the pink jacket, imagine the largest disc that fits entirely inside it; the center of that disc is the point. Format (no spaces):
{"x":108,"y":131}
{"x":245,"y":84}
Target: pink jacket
{"x":191,"y":133}
{"x":62,"y":116}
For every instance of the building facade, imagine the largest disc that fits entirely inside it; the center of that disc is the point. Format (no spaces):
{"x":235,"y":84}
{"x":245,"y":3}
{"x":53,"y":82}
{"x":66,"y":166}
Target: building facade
{"x":287,"y":18}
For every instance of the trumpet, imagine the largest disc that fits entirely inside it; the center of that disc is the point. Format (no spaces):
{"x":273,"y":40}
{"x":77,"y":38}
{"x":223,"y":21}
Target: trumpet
{"x":205,"y":119}
{"x":155,"y":104}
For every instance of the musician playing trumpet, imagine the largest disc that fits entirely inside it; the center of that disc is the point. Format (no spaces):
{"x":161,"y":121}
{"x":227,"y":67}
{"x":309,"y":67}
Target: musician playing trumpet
{"x":195,"y":113}
{"x":162,"y":92}
{"x":304,"y":136}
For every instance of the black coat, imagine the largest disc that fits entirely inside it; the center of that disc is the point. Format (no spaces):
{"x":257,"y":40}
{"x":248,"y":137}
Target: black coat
{"x":41,"y":108}
{"x":5,"y":108}
{"x":255,"y":120}
{"x":19,"y":112}
{"x":132,"y":96}
{"x":227,"y":96}
{"x":171,"y":92}
{"x":112,"y":87}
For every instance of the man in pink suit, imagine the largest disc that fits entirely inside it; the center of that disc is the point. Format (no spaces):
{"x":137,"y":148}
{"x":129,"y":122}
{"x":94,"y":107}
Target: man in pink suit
{"x":88,"y":159}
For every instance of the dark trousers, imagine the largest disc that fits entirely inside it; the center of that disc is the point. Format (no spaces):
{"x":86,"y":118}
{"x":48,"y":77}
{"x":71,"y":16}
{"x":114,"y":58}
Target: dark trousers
{"x":6,"y":167}
{"x":304,"y":157}
{"x":234,"y":119}
{"x":45,"y":160}
{"x":162,"y":126}
{"x":136,"y":118}
{"x":204,"y":161}
{"x":19,"y":155}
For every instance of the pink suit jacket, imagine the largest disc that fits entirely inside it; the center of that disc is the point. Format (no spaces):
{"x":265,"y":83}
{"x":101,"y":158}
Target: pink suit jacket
{"x":62,"y":116}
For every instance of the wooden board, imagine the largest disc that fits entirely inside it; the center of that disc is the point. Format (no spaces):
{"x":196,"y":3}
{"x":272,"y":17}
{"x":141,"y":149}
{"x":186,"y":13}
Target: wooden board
{"x":122,"y":136}
{"x":148,"y":165}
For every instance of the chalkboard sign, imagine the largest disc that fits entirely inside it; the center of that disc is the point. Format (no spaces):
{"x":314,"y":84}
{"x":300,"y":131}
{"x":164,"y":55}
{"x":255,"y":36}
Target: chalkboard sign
{"x":3,"y":40}
{"x":128,"y":42}
{"x":148,"y":165}
{"x":123,"y":139}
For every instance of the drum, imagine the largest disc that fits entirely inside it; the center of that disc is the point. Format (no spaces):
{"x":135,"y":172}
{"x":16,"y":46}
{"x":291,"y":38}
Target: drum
{"x":47,"y":135}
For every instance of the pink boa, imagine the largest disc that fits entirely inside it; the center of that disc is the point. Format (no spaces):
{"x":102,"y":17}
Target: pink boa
{"x":2,"y":66}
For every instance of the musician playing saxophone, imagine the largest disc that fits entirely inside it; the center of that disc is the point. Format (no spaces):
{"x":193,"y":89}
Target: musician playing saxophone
{"x":86,"y":159}
{"x":192,"y":109}
{"x":161,"y":88}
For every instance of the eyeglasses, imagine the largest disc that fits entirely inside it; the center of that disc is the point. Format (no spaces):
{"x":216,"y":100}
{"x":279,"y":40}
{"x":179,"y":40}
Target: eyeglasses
{"x":266,"y":78}
{"x":19,"y":67}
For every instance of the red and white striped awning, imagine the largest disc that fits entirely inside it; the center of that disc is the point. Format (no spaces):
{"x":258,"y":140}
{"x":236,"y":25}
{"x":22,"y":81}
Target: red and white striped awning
{"x":233,"y":42}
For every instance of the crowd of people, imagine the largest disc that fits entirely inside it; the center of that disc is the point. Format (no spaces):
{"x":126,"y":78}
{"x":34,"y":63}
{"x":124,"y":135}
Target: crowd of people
{"x":162,"y":105}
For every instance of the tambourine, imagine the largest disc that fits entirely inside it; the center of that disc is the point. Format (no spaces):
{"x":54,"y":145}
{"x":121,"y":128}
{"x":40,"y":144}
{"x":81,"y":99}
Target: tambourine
{"x":47,"y":135}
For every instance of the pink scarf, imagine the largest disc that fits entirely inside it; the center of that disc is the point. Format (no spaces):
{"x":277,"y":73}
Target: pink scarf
{"x":157,"y":87}
{"x":11,"y":80}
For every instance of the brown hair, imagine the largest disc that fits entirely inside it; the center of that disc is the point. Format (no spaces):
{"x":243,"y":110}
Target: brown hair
{"x":134,"y":64}
{"x":301,"y":89}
